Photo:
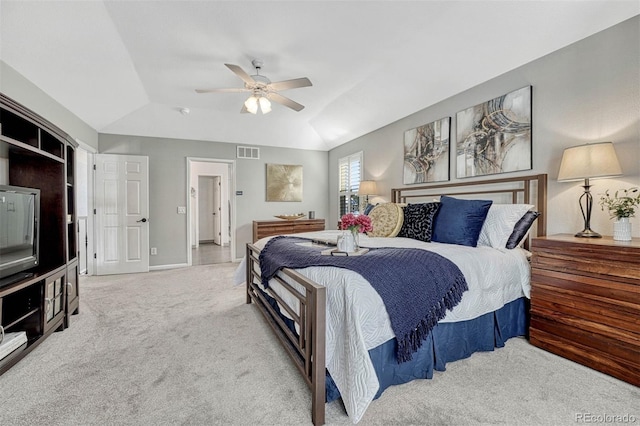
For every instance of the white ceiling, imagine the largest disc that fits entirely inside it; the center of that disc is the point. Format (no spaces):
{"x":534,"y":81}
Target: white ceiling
{"x":127,"y":67}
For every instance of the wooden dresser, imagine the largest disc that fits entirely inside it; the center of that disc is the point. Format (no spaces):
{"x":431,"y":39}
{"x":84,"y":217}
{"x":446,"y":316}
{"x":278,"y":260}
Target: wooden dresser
{"x":585,"y":302}
{"x":266,"y":228}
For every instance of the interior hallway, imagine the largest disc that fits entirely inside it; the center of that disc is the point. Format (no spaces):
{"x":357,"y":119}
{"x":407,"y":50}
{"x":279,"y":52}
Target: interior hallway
{"x":210,"y":253}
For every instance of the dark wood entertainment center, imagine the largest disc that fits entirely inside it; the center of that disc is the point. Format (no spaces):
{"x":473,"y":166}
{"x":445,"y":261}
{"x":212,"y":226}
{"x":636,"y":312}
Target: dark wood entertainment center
{"x":39,"y":155}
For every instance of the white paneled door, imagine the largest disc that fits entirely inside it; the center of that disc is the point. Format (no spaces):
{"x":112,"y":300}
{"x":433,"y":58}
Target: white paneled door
{"x":217,"y":210}
{"x":122,"y":214}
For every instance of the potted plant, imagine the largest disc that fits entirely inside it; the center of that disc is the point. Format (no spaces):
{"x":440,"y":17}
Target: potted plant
{"x":621,"y":205}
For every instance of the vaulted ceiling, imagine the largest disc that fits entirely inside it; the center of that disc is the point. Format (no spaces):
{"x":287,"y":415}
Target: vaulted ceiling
{"x":128,"y":67}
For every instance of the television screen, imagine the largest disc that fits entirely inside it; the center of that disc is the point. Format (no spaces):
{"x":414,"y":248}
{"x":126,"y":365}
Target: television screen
{"x":19,"y":212}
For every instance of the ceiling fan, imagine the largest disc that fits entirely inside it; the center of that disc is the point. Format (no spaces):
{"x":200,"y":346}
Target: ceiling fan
{"x":262,"y":89}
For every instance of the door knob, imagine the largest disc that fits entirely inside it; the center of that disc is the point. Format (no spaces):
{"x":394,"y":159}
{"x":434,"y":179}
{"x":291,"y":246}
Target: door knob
{"x":143,"y":220}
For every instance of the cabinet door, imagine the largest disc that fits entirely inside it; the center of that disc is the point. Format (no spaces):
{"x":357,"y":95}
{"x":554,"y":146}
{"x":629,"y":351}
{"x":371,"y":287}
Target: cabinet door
{"x":54,"y":300}
{"x":73,"y":292}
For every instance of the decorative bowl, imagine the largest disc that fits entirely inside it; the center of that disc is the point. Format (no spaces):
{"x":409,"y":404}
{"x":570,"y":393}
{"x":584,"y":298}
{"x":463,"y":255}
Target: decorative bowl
{"x":290,"y":216}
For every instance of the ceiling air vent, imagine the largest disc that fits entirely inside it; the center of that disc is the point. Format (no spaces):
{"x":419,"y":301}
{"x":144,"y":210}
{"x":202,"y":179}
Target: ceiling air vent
{"x":248,"y":152}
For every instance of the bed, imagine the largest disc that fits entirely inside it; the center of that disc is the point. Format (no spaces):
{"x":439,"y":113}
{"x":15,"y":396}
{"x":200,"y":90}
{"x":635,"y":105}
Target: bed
{"x":334,"y":325}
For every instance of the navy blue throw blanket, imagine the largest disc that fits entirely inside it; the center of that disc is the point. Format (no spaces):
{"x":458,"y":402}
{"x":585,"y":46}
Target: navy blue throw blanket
{"x":417,"y":286}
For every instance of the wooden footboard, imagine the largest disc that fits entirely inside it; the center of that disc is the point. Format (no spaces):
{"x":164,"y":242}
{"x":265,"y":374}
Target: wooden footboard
{"x":307,"y":350}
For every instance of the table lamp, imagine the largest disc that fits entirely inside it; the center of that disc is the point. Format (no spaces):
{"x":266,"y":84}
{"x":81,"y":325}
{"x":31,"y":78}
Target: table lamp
{"x":589,"y":161}
{"x":367,"y":188}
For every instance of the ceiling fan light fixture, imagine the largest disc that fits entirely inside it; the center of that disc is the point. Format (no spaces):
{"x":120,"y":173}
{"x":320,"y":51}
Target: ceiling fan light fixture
{"x":263,"y":91}
{"x":265,"y":105}
{"x":251,"y":104}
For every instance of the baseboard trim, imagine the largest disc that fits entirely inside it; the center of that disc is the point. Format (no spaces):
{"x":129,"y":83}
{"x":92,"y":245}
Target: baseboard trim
{"x":162,"y":267}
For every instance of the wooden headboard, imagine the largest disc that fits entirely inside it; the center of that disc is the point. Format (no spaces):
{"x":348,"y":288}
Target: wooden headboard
{"x":530,"y":189}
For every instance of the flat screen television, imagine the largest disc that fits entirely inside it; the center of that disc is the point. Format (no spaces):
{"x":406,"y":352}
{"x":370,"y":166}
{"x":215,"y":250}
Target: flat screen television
{"x":19,"y":229}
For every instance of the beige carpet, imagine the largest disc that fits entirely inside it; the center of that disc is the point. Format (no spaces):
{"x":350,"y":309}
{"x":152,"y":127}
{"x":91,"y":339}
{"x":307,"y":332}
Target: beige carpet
{"x":182,"y":347}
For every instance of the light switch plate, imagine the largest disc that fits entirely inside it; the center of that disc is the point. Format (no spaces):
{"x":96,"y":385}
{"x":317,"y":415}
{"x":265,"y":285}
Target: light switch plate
{"x":182,"y":210}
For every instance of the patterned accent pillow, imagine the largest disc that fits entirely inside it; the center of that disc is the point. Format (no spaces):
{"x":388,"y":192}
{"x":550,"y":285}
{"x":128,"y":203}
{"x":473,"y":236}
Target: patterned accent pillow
{"x":386,"y":220}
{"x":418,"y":221}
{"x":499,"y":224}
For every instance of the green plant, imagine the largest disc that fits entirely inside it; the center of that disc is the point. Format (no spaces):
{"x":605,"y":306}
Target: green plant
{"x":622,"y":203}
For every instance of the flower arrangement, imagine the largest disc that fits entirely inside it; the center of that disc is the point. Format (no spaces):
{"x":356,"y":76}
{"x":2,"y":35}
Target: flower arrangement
{"x":356,"y":223}
{"x":622,"y":203}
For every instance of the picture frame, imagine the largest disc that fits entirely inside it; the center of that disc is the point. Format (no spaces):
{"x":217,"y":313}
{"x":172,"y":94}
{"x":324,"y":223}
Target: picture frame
{"x":495,"y":136}
{"x":426,"y":152}
{"x":284,"y":182}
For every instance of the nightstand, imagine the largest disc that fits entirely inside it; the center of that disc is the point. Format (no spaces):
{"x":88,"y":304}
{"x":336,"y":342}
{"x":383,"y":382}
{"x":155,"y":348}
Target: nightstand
{"x":585,"y":302}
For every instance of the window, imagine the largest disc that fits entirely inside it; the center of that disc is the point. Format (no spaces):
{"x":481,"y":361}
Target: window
{"x":350,"y":169}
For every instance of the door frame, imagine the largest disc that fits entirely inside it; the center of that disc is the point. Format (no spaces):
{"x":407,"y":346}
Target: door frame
{"x":231,"y":164}
{"x":90,"y":231}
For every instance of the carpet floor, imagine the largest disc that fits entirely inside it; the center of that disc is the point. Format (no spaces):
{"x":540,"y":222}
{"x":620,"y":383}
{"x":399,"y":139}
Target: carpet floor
{"x":181,"y":347}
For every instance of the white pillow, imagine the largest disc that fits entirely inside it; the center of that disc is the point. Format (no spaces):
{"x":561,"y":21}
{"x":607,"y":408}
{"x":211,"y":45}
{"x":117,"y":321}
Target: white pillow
{"x":499,"y":224}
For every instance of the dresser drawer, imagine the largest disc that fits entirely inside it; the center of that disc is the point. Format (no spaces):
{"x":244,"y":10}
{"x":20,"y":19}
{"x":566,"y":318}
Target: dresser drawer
{"x":587,"y":257}
{"x":267,"y":228}
{"x":585,"y":302}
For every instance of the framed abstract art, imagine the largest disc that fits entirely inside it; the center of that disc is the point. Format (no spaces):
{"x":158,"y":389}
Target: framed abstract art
{"x":284,"y":182}
{"x":495,"y":136}
{"x":426,"y":153}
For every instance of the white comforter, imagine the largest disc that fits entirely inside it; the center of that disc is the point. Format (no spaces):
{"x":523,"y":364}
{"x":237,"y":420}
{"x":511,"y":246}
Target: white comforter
{"x":357,"y":320}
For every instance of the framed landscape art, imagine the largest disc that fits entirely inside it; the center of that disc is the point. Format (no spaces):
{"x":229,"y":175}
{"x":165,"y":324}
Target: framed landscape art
{"x":426,"y":153}
{"x":495,"y":136}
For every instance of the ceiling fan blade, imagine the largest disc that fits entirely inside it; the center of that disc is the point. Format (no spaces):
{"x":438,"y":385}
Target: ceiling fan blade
{"x":241,"y":73}
{"x":232,"y":90}
{"x":290,"y":84}
{"x":276,"y":97}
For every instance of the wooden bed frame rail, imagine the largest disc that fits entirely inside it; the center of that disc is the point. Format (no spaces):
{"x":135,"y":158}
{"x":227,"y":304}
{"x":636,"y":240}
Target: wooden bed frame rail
{"x":307,"y":348}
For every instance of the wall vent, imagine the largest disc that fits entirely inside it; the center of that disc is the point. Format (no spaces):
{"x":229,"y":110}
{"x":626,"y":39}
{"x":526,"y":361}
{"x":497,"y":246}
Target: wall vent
{"x":248,"y":152}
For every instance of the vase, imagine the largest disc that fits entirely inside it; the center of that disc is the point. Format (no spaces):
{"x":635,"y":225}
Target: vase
{"x":622,"y":229}
{"x":348,"y":241}
{"x":356,"y":239}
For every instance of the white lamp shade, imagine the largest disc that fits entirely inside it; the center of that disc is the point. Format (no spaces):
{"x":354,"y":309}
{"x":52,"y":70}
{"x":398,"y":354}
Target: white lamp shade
{"x":251,"y":104}
{"x":367,"y":187}
{"x":265,"y":105}
{"x":590,"y":161}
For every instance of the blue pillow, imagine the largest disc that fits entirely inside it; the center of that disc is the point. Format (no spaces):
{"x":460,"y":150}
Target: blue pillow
{"x":460,"y":221}
{"x":368,"y":209}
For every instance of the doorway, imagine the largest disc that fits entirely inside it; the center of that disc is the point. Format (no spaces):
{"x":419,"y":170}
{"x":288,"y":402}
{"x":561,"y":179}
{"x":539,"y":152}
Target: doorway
{"x":211,"y":216}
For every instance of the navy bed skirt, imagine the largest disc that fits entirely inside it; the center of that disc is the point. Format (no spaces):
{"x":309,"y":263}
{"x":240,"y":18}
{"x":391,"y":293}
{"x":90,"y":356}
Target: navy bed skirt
{"x":447,"y":342}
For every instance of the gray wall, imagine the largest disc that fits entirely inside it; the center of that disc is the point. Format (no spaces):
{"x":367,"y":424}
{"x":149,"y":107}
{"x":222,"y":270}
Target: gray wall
{"x":586,"y":92}
{"x":168,"y":184}
{"x":18,"y":88}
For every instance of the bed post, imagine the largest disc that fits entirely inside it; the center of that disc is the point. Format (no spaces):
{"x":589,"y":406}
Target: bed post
{"x":318,"y":376}
{"x":248,"y":266}
{"x":542,"y":205}
{"x":307,"y":349}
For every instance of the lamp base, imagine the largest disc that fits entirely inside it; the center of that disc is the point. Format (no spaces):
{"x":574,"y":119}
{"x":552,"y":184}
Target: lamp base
{"x":588,"y":233}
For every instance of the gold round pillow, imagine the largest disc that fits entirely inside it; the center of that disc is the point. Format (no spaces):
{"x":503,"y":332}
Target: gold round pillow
{"x":386,"y":220}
